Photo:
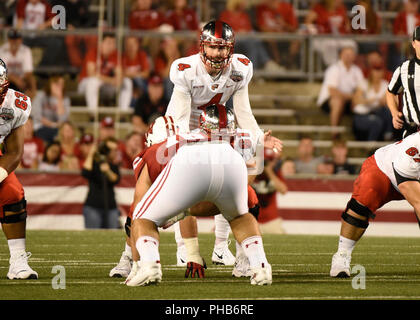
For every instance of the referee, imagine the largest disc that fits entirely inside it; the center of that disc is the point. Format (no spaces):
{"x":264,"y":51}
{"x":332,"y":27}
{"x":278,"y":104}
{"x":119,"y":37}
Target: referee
{"x":407,"y":78}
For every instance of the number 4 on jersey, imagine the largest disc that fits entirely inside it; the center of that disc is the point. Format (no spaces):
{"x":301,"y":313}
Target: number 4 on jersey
{"x":20,"y":101}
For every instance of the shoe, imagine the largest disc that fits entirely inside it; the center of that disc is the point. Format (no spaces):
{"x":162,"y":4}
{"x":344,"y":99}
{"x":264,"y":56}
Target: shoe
{"x":340,"y":265}
{"x":133,"y":272}
{"x":222,"y":255}
{"x":181,"y":256}
{"x":242,"y":267}
{"x":262,"y":276}
{"x":123,"y":268}
{"x":19,"y":268}
{"x":147,"y":273}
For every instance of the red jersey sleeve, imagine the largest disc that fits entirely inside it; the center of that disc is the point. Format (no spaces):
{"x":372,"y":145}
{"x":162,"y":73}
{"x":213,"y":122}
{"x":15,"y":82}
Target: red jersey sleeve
{"x":20,"y":9}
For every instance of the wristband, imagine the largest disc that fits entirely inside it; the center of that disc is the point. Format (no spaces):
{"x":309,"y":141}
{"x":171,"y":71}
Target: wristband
{"x":3,"y":174}
{"x":193,"y":253}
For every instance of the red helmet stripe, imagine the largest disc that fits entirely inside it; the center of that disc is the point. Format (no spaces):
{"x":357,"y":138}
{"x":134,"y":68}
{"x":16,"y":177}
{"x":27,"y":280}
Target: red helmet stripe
{"x":218,"y":29}
{"x":222,"y":116}
{"x":168,"y":133}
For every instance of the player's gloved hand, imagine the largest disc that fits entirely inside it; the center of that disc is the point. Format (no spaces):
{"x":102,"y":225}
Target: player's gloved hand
{"x":196,"y":270}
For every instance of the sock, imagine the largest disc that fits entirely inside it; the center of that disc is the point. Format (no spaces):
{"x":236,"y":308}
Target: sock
{"x":148,"y":248}
{"x":193,"y":252}
{"x":254,"y":250}
{"x":346,"y":244}
{"x":178,"y":237}
{"x":128,"y":250}
{"x":239,"y":250}
{"x":16,"y":246}
{"x":222,"y":228}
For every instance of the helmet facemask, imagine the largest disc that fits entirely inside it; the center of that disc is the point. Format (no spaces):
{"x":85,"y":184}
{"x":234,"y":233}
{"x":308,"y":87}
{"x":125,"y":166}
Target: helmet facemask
{"x":4,"y":83}
{"x":217,"y":35}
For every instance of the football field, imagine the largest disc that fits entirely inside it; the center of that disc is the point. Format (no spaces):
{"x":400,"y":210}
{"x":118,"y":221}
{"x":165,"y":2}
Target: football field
{"x":300,"y":269}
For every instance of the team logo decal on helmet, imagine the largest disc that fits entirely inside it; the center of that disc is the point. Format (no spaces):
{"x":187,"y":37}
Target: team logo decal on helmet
{"x":4,"y":83}
{"x":220,"y":34}
{"x":161,"y":129}
{"x":217,"y":118}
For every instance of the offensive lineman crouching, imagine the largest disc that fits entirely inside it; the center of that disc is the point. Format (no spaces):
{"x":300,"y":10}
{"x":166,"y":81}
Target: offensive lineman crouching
{"x":392,"y":173}
{"x":15,"y":108}
{"x":208,"y":171}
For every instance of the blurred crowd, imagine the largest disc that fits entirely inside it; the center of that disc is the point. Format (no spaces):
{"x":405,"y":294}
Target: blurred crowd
{"x":359,"y":71}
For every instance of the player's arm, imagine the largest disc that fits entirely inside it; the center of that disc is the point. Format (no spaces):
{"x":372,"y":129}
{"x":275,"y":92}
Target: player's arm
{"x":410,"y":189}
{"x":14,"y":149}
{"x":179,"y":108}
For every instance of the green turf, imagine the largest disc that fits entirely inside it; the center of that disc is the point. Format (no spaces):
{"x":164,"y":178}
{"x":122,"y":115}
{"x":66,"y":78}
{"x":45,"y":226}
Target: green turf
{"x":300,"y":269}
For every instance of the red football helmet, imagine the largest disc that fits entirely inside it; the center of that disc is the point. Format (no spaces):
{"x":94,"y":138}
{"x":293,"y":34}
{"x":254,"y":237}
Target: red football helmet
{"x":220,"y":34}
{"x":217,"y":119}
{"x":4,"y":83}
{"x":160,"y":130}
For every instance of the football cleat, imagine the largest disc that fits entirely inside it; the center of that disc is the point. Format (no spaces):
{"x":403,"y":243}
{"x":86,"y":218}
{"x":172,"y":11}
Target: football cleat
{"x":19,"y":268}
{"x":340,"y":265}
{"x":181,"y":256}
{"x":242,"y":267}
{"x":123,"y":268}
{"x":222,"y":255}
{"x":149,"y":272}
{"x":262,"y":276}
{"x":133,"y":272}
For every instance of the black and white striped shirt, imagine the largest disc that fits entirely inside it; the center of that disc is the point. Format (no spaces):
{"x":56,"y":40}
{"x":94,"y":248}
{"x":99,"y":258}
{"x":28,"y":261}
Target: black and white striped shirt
{"x":407,"y":78}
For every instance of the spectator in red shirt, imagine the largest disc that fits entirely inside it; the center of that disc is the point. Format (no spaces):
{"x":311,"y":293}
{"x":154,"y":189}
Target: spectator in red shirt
{"x":407,"y":19}
{"x":134,"y":144}
{"x":279,"y":16}
{"x":106,"y":80}
{"x":38,"y":15}
{"x":181,"y":17}
{"x":144,"y":17}
{"x":33,"y":147}
{"x":136,"y":66}
{"x":237,"y":17}
{"x":404,"y":24}
{"x":168,"y":53}
{"x":329,"y":17}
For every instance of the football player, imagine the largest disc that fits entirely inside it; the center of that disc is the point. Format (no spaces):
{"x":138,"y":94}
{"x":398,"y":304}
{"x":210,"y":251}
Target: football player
{"x":205,"y":163}
{"x":15,"y":108}
{"x":392,"y":173}
{"x":213,"y":76}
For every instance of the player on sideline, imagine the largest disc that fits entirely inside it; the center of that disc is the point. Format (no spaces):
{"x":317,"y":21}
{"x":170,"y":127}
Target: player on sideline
{"x":213,"y":76}
{"x":15,"y":108}
{"x":210,"y":169}
{"x":392,"y":173}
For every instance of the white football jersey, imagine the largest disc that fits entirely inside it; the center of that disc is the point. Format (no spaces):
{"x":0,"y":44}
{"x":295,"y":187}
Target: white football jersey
{"x":190,"y":76}
{"x":14,"y":112}
{"x":403,"y":156}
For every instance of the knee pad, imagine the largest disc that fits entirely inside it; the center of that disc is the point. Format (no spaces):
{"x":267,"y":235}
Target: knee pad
{"x":360,"y":210}
{"x":255,"y":211}
{"x":15,"y":212}
{"x":127,"y":227}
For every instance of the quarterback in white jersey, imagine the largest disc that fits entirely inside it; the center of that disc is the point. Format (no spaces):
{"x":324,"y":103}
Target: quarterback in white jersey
{"x":392,"y":173}
{"x":15,"y":108}
{"x":213,"y":76}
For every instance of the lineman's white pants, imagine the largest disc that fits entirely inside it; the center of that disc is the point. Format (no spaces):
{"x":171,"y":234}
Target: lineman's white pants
{"x":212,"y":172}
